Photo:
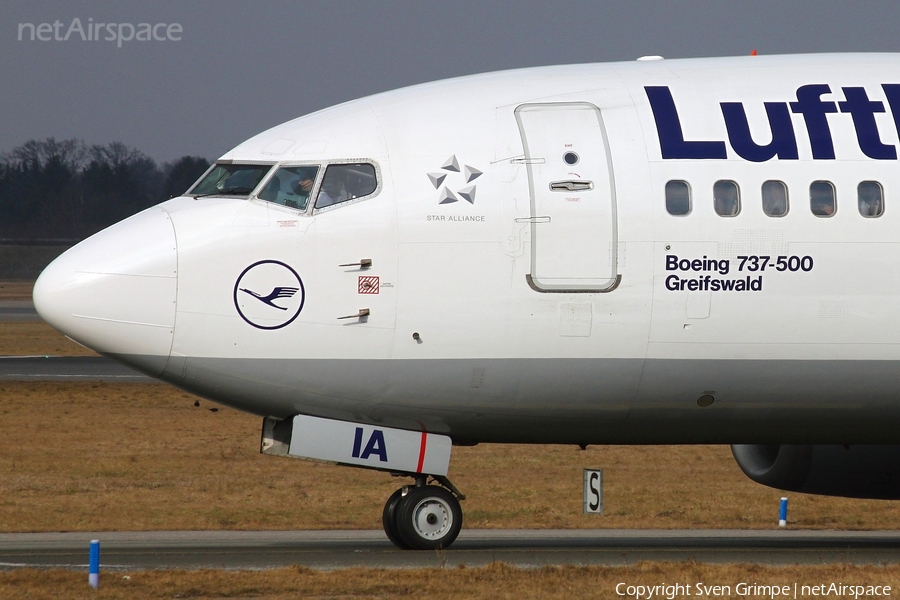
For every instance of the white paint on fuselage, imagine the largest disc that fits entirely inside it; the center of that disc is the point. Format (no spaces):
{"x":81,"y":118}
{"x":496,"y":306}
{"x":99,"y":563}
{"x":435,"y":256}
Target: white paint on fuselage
{"x":455,"y":274}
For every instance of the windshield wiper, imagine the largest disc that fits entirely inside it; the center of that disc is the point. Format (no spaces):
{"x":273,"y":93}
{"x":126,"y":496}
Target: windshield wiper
{"x":231,"y":191}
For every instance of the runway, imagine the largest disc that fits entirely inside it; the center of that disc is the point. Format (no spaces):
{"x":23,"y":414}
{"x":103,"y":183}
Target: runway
{"x":523,"y":548}
{"x":58,"y":368}
{"x":18,"y":310}
{"x":68,"y":368}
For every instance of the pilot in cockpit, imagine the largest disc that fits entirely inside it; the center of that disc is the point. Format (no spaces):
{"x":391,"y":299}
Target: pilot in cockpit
{"x":330,"y":193}
{"x":303,"y":184}
{"x":290,"y":186}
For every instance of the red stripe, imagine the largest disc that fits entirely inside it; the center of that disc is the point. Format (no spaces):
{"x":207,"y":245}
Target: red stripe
{"x":422,"y":452}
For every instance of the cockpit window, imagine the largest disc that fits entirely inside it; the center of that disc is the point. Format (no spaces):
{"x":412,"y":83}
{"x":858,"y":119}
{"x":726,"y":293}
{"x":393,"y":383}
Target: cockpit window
{"x":343,"y":182}
{"x":230,"y":180}
{"x":290,"y":186}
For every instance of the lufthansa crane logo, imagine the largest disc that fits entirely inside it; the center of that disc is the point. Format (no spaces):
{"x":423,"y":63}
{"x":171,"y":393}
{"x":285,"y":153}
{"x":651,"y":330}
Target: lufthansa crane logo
{"x":269,"y":294}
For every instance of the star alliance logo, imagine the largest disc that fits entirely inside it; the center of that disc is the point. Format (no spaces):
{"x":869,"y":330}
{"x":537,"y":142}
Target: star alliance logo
{"x":451,"y":166}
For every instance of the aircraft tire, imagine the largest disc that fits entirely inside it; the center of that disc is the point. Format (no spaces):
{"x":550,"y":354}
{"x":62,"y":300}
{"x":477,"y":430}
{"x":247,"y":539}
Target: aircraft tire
{"x":428,"y":518}
{"x":389,"y":520}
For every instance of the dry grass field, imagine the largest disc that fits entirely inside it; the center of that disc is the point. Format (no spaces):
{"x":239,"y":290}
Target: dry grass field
{"x":32,"y":338}
{"x":15,"y":290}
{"x":36,"y":338}
{"x":103,"y":456}
{"x":495,"y":582}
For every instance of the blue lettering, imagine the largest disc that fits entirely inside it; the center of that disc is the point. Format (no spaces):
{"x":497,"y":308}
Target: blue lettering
{"x":668,"y":126}
{"x":810,"y":105}
{"x":863,"y":110}
{"x":376,"y":445}
{"x":892,"y":93}
{"x":357,"y":442}
{"x":783,"y":144}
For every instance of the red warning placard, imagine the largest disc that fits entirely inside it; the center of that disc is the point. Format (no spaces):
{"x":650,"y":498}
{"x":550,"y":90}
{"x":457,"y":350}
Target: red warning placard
{"x":368,"y":285}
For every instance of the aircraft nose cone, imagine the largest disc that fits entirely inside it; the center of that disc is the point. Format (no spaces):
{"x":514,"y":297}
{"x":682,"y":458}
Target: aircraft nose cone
{"x":115,"y":292}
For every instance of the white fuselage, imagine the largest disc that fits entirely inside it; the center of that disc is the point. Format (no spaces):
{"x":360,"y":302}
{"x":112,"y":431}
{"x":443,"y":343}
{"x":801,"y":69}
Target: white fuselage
{"x":528,"y":282}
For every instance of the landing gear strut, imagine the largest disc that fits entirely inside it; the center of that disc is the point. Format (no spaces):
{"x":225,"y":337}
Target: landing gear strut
{"x":423,"y":517}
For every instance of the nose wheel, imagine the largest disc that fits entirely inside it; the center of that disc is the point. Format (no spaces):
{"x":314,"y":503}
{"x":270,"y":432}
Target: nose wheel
{"x":426,"y":517}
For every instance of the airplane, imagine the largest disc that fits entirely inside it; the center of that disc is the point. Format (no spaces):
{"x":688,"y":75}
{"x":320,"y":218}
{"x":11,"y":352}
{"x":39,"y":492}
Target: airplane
{"x":696,"y":251}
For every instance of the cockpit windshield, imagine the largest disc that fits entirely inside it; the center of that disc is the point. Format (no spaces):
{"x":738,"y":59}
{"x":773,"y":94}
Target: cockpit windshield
{"x":230,"y":180}
{"x":343,"y":182}
{"x":290,"y":186}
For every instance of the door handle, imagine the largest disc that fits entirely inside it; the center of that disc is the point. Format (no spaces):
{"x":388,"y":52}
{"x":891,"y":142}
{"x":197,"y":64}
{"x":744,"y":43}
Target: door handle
{"x":572,"y":185}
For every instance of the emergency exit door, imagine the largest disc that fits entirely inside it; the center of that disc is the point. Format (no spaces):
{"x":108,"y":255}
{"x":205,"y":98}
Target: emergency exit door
{"x":573,"y":205}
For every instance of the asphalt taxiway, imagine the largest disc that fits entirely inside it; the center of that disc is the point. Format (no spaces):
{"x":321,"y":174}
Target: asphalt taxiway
{"x":18,"y":310}
{"x":473,"y":548}
{"x":67,"y":368}
{"x":57,"y":368}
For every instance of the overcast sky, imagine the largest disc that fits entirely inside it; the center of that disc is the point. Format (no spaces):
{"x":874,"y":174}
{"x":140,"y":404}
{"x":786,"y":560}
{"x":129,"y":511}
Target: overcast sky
{"x":239,"y":67}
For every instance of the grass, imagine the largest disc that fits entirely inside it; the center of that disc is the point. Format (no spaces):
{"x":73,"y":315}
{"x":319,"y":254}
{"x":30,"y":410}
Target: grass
{"x":36,"y":338}
{"x":105,"y":456}
{"x":15,"y":290}
{"x":32,"y":338}
{"x":496,"y":582}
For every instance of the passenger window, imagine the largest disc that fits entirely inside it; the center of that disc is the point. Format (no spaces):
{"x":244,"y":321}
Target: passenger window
{"x":822,"y":199}
{"x":871,"y":199}
{"x":678,"y":198}
{"x":726,"y":198}
{"x":290,"y":186}
{"x":774,"y":198}
{"x":344,"y":182}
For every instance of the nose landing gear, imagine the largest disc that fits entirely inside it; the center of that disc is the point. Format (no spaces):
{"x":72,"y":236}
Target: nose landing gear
{"x":423,"y":517}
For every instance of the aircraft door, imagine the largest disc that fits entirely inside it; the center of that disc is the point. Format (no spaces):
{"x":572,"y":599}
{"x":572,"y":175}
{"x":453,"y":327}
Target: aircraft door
{"x":573,"y":205}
